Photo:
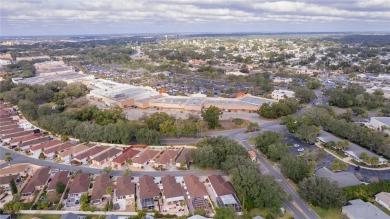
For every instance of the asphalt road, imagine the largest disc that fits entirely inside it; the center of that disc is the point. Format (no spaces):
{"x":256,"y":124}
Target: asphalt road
{"x":20,"y":158}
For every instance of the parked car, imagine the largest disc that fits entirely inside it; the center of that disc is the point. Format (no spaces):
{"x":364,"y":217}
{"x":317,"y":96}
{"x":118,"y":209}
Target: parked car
{"x":301,"y":149}
{"x":296,"y":145}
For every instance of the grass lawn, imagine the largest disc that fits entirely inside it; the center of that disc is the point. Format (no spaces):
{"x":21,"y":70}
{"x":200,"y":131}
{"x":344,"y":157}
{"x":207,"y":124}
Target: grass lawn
{"x":252,"y":141}
{"x":333,"y":213}
{"x":382,"y":208}
{"x":264,"y":212}
{"x":43,"y":216}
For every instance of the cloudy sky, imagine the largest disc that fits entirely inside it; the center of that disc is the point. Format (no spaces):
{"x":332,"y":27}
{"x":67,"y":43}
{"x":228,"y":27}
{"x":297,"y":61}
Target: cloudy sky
{"x":67,"y":17}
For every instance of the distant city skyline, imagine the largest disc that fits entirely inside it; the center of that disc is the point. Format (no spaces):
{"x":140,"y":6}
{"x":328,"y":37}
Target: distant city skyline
{"x":80,"y":17}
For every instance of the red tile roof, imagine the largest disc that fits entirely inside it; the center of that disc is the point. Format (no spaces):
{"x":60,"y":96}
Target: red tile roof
{"x":80,"y":184}
{"x":39,"y":178}
{"x":124,"y":186}
{"x":17,"y":134}
{"x":171,"y":188}
{"x":61,"y":176}
{"x":147,"y":187}
{"x":107,"y":154}
{"x":195,"y":188}
{"x":3,"y":128}
{"x":58,"y":148}
{"x":221,"y":186}
{"x":145,"y":155}
{"x":127,"y":154}
{"x":25,"y":138}
{"x":89,"y":153}
{"x":167,"y":156}
{"x":10,"y":131}
{"x":102,"y":182}
{"x":45,"y":145}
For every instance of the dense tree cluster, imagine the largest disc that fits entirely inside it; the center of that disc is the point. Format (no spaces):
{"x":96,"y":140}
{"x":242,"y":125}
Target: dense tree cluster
{"x":304,"y":94}
{"x":272,"y":145}
{"x":355,"y":95}
{"x":324,"y":117}
{"x":24,"y":69}
{"x":365,"y":192}
{"x":276,"y":110}
{"x":253,"y":190}
{"x":294,"y":167}
{"x":321,"y":192}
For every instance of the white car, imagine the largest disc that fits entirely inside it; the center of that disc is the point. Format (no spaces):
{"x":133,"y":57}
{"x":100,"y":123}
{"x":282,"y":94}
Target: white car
{"x":301,"y":149}
{"x":296,"y":145}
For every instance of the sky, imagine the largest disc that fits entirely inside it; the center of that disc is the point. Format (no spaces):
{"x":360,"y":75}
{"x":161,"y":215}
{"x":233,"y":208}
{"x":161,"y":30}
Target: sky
{"x":77,"y":17}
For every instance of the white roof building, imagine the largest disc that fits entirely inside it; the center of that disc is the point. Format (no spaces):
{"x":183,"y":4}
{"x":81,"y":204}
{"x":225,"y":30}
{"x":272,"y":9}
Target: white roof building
{"x":282,"y":94}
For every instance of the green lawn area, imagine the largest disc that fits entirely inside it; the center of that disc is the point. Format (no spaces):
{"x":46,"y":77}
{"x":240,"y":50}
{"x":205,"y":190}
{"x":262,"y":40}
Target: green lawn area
{"x":382,"y":208}
{"x":333,"y":213}
{"x":252,"y":141}
{"x":264,"y":213}
{"x":43,"y":216}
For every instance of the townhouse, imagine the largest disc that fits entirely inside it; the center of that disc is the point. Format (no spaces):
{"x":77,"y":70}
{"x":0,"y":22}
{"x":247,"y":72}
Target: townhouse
{"x":80,"y":185}
{"x":37,"y":182}
{"x":184,"y":159}
{"x":38,"y":148}
{"x":148,"y":192}
{"x":16,"y":141}
{"x":5,"y":180}
{"x":69,"y":153}
{"x":61,"y":176}
{"x":166,"y":158}
{"x":121,"y":160}
{"x":99,"y":189}
{"x":223,"y":192}
{"x":142,"y":159}
{"x":52,"y":151}
{"x":7,"y":127}
{"x":7,"y":137}
{"x":85,"y":156}
{"x":26,"y":145}
{"x":124,"y":193}
{"x":105,"y":156}
{"x":22,"y":169}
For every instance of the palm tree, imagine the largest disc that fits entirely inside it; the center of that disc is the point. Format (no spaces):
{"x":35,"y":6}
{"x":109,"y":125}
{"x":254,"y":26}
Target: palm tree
{"x":107,"y":170}
{"x":109,"y":191}
{"x":127,"y":172}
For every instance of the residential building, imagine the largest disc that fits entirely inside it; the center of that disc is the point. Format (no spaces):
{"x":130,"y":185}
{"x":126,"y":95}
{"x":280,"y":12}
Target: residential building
{"x":124,"y":193}
{"x":87,"y":155}
{"x":282,"y":94}
{"x":172,"y":190}
{"x":80,"y":185}
{"x":5,"y":180}
{"x":142,"y":159}
{"x":196,"y":193}
{"x":69,"y":153}
{"x":27,"y":138}
{"x":37,"y":182}
{"x":21,"y":169}
{"x":51,"y":152}
{"x":280,"y":80}
{"x":121,"y":160}
{"x":61,"y":176}
{"x":148,"y":192}
{"x":166,"y":158}
{"x":224,"y":192}
{"x":183,"y":161}
{"x":252,"y":155}
{"x":383,"y":199}
{"x":99,"y":190}
{"x":358,"y":209}
{"x":105,"y":156}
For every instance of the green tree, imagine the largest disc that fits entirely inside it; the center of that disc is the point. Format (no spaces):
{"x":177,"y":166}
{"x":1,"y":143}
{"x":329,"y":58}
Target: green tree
{"x":148,"y":136}
{"x":28,"y":109}
{"x":294,"y":167}
{"x":12,"y":185}
{"x":342,"y":145}
{"x":304,"y":94}
{"x":321,"y":192}
{"x":168,"y":127}
{"x":307,"y":133}
{"x":84,"y":202}
{"x":60,"y":187}
{"x":200,"y":211}
{"x":267,"y":138}
{"x":225,"y":213}
{"x":211,"y":116}
{"x":107,"y":170}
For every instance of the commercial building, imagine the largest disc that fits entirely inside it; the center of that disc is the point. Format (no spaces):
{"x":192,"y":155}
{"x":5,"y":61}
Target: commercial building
{"x":282,"y":94}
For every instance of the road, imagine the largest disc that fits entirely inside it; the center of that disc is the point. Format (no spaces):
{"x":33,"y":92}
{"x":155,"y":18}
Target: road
{"x":20,"y":158}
